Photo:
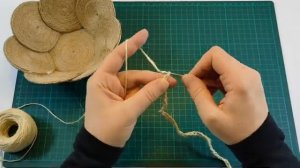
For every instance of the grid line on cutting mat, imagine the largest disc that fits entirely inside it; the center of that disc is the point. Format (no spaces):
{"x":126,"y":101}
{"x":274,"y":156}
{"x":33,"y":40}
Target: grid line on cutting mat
{"x":179,"y":34}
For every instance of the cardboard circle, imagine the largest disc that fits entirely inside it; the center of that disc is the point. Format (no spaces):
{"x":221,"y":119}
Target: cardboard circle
{"x":59,"y":14}
{"x":27,"y":60}
{"x":30,"y":30}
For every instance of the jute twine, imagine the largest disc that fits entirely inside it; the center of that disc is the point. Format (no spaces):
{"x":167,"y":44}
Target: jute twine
{"x":26,"y":129}
{"x":25,"y":134}
{"x":27,"y":60}
{"x":30,"y":30}
{"x":164,"y":108}
{"x":60,"y":14}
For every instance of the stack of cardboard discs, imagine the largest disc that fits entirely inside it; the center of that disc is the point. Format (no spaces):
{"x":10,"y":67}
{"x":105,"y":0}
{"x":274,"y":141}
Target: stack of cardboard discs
{"x":61,"y":40}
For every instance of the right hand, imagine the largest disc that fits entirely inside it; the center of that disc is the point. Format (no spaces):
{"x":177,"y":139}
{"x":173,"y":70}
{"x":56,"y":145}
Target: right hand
{"x":112,"y":112}
{"x":242,"y":110}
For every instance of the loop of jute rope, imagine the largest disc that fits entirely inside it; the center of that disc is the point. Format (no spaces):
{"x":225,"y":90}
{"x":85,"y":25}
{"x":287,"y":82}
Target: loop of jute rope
{"x":25,"y":127}
{"x":164,"y":108}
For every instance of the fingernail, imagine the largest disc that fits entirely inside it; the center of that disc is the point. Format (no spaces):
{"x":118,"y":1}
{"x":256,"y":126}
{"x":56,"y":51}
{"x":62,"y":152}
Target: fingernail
{"x":165,"y":80}
{"x":166,"y":76}
{"x":185,"y":76}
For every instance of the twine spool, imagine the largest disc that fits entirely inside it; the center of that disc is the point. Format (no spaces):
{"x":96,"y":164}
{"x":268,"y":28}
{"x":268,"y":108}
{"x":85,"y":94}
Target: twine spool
{"x":18,"y":130}
{"x":25,"y":130}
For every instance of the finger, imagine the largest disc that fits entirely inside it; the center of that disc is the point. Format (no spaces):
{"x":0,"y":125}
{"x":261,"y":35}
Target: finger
{"x":132,"y":92}
{"x":201,"y":95}
{"x":139,"y":77}
{"x":215,"y":59}
{"x":212,"y":83}
{"x":114,"y":61}
{"x":147,"y":95}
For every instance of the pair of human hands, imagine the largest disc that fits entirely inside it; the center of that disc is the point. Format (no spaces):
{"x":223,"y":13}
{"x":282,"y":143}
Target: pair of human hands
{"x":111,"y":115}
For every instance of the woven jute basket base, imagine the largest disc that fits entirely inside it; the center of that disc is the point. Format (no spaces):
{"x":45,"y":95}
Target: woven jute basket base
{"x":105,"y":41}
{"x":30,"y":29}
{"x":62,"y":40}
{"x":55,"y":77}
{"x":106,"y":34}
{"x":27,"y":60}
{"x":60,"y":15}
{"x":74,"y":51}
{"x":90,"y":12}
{"x":93,"y":66}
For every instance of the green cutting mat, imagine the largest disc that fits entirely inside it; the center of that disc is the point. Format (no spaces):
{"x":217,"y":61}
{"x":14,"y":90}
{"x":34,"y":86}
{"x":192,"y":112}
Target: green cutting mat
{"x":179,"y":34}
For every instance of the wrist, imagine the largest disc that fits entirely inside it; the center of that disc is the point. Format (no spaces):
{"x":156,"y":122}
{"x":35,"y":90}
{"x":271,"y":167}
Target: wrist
{"x":90,"y":152}
{"x":268,"y":137}
{"x":107,"y":135}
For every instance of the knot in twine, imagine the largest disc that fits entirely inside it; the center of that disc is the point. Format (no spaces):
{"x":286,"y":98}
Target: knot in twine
{"x":164,"y":108}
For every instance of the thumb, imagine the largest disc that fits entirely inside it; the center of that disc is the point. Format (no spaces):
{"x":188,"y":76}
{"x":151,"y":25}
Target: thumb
{"x":147,"y":95}
{"x":202,"y":97}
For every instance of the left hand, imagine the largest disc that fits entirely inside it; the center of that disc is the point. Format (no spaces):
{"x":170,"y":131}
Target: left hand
{"x":244,"y":107}
{"x":110,"y":114}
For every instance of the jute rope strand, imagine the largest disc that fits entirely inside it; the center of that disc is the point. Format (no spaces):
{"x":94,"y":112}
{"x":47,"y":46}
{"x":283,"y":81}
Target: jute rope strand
{"x":23,"y":156}
{"x":191,"y":133}
{"x":55,"y":116}
{"x":164,"y":107}
{"x":155,"y":66}
{"x":21,"y":134}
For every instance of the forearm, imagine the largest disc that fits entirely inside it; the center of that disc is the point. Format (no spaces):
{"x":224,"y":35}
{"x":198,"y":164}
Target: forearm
{"x":265,"y":148}
{"x":90,"y":152}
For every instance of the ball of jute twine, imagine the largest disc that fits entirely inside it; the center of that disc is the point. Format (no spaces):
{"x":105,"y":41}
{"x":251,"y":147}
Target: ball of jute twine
{"x":25,"y":134}
{"x":25,"y":129}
